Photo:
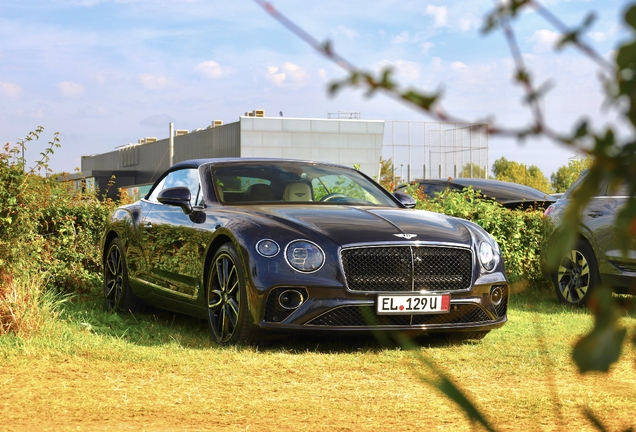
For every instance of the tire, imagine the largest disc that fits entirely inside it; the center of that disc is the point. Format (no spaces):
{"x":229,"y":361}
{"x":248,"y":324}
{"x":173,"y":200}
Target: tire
{"x":577,"y":275}
{"x":117,"y":292}
{"x":226,"y":299}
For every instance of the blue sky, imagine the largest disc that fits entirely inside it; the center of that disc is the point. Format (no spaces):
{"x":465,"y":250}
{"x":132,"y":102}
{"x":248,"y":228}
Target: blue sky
{"x":105,"y":73}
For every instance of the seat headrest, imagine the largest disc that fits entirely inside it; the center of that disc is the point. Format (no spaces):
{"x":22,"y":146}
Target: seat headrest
{"x":259,"y":192}
{"x":299,"y":191}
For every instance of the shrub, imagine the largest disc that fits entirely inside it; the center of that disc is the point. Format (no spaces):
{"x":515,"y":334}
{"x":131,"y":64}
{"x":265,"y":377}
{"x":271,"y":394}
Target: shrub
{"x":47,"y":227}
{"x":518,"y":232}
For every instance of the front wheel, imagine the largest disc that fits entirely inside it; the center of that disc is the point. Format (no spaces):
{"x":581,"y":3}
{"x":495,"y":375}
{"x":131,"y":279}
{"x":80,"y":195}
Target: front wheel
{"x":228,"y":314}
{"x":577,"y":275}
{"x":117,"y":292}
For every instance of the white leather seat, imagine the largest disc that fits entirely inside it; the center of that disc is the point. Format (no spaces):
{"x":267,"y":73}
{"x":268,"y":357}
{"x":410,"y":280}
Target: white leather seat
{"x":297,"y":192}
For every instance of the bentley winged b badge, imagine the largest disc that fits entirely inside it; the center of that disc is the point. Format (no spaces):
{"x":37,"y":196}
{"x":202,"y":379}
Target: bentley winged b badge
{"x":406,"y":236}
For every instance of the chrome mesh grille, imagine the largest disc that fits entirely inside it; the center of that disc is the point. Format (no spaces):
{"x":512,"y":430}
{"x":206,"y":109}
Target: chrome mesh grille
{"x":363,"y":316}
{"x":404,"y":268}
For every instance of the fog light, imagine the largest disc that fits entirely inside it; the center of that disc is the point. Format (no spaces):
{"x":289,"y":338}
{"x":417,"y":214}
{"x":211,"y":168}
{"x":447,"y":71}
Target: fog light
{"x":290,"y":299}
{"x":267,"y":248}
{"x":496,"y":295}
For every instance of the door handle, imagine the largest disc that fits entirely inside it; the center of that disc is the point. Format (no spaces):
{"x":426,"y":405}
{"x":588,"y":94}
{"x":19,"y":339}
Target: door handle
{"x":595,"y":213}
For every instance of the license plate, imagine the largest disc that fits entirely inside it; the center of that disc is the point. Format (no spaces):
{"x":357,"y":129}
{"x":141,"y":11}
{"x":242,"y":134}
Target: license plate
{"x":411,"y":304}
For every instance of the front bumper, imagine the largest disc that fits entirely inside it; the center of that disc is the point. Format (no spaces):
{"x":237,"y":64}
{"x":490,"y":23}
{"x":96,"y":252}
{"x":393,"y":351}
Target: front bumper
{"x":339,"y":310}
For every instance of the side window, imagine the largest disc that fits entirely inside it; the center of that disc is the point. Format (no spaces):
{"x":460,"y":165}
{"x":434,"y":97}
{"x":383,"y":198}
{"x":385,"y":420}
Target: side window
{"x":188,"y":177}
{"x":431,"y":189}
{"x":621,"y":190}
{"x":320,"y":191}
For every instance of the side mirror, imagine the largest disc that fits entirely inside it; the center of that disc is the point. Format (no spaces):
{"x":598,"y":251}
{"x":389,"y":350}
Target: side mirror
{"x":407,"y":200}
{"x":176,"y":196}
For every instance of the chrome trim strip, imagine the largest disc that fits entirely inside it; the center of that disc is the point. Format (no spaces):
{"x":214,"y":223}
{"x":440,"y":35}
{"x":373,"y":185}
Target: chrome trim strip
{"x":475,"y":302}
{"x":164,"y":289}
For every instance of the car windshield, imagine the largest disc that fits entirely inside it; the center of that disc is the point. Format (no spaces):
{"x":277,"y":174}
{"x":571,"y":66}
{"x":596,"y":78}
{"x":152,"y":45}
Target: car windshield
{"x":295,"y":182}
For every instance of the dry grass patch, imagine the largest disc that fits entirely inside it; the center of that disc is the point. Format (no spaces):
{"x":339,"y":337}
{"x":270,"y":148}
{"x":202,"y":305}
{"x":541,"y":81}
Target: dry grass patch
{"x":162,"y":373}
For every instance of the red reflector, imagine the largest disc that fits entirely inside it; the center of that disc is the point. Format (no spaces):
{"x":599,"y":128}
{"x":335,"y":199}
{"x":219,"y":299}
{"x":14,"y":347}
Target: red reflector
{"x":548,"y":211}
{"x":446,"y":302}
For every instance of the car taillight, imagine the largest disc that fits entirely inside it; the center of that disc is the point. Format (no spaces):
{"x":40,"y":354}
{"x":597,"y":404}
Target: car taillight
{"x":548,"y":211}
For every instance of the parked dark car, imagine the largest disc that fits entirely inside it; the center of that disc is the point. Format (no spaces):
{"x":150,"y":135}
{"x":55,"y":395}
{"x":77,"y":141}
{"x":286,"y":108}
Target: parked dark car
{"x":596,"y":256}
{"x":260,"y":246}
{"x":509,"y":195}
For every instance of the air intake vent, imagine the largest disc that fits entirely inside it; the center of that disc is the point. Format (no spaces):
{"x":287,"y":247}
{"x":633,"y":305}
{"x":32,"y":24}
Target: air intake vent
{"x":258,"y":113}
{"x":216,"y":123}
{"x":150,"y":140}
{"x":181,"y":132}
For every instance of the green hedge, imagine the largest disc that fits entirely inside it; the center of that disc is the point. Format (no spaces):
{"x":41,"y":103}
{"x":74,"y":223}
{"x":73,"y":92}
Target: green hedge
{"x":518,"y":232}
{"x":48,"y":228}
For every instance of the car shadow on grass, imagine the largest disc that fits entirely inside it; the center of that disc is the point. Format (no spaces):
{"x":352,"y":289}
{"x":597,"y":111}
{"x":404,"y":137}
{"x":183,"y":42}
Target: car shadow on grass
{"x":157,"y":327}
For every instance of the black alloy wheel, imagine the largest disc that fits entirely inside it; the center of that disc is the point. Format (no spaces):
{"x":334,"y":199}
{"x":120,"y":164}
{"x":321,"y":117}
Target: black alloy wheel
{"x":577,"y":275}
{"x":117,"y":291}
{"x":226,"y":299}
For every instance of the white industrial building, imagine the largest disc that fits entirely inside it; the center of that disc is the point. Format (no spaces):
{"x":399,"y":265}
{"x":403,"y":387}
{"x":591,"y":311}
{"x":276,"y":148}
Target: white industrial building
{"x":346,"y":141}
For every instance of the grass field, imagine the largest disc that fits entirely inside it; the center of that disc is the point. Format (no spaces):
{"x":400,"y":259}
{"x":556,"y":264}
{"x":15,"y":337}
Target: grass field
{"x":94,"y":371}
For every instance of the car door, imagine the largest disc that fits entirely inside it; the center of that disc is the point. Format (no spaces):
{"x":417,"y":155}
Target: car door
{"x":599,"y":216}
{"x":171,"y":245}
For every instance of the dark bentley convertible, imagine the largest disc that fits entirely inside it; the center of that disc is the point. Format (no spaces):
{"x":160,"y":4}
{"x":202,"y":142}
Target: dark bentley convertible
{"x":273,"y":246}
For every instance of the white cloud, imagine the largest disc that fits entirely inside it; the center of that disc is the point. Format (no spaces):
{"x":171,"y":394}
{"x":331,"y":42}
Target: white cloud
{"x":403,"y":37}
{"x":439,"y":13}
{"x":289,"y":73}
{"x":403,"y":68}
{"x":437,"y":64}
{"x":100,"y":78}
{"x":274,"y":76}
{"x":71,"y":89}
{"x":210,"y":69}
{"x":601,"y":36}
{"x":345,"y":31}
{"x":544,"y":40}
{"x":154,"y":82}
{"x":10,"y":90}
{"x":469,"y":22}
{"x":458,"y":66}
{"x":426,"y":46}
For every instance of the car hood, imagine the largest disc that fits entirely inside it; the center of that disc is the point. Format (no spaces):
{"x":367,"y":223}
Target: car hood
{"x":356,"y":225}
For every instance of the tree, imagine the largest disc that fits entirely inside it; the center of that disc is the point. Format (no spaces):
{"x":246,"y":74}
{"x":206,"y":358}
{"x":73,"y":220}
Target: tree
{"x":387,"y":175}
{"x":516,"y":172}
{"x":472,"y":170}
{"x":565,"y":175}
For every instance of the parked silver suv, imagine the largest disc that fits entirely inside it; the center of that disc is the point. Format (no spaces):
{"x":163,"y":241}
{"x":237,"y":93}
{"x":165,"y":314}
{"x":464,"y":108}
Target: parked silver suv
{"x":596,"y":256}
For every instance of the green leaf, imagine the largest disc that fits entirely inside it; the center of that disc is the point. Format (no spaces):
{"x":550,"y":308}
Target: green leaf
{"x":630,"y":17}
{"x":599,"y":349}
{"x":422,"y":100}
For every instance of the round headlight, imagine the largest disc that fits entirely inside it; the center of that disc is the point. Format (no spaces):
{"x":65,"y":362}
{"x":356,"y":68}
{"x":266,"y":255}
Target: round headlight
{"x":304,"y":256}
{"x":487,"y":256}
{"x":267,"y":248}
